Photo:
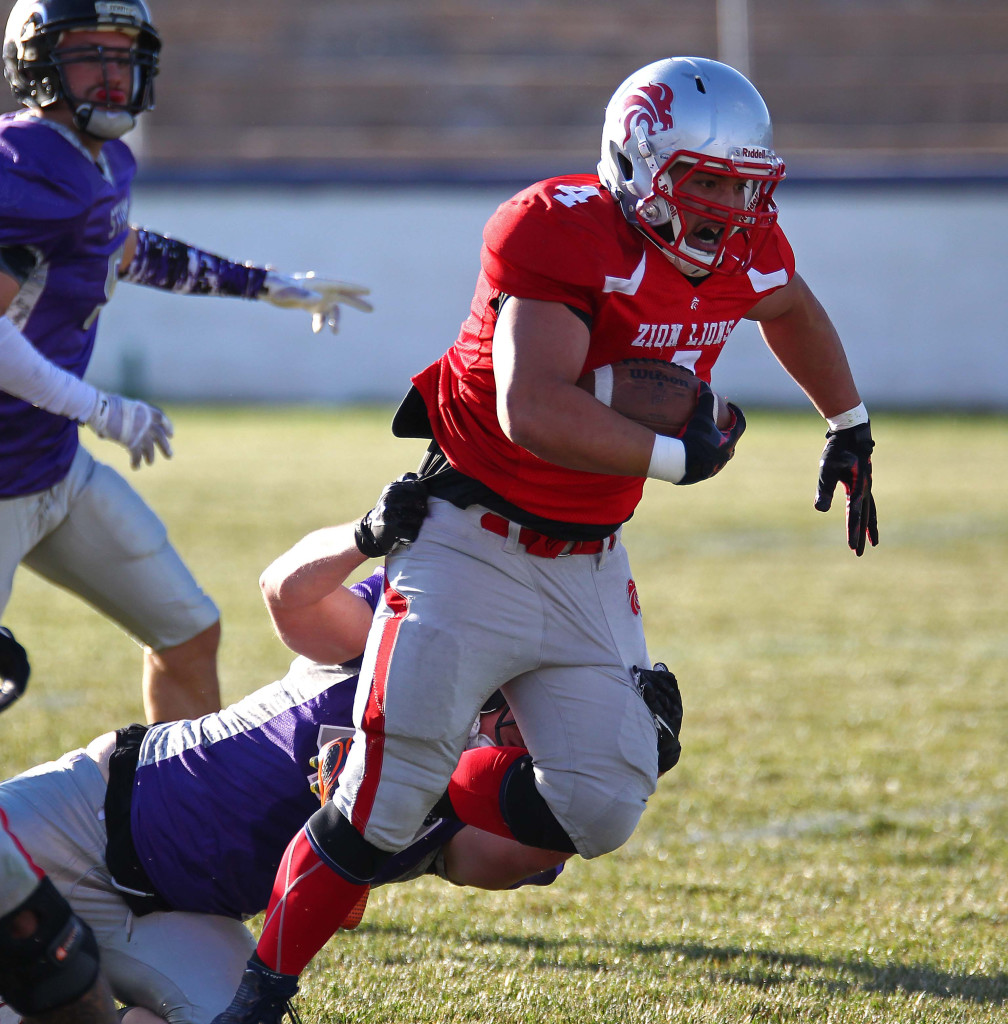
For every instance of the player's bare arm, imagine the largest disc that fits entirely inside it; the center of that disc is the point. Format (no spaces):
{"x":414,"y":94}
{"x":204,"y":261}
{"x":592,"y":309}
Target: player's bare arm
{"x":481,"y":859}
{"x":801,"y":335}
{"x":538,"y":354}
{"x":312,"y":612}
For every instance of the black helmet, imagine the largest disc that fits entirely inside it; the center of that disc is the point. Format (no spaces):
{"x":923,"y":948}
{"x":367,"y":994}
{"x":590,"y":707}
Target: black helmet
{"x":35,"y":70}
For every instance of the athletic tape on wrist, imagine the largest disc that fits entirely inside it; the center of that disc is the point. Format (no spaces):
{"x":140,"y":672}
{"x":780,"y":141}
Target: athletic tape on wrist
{"x":668,"y":459}
{"x":851,"y":418}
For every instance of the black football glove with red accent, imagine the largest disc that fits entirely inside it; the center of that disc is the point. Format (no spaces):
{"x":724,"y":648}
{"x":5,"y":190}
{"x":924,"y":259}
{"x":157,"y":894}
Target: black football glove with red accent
{"x":660,"y":691}
{"x":846,"y":459}
{"x":395,"y":520}
{"x":14,"y":668}
{"x":708,"y":448}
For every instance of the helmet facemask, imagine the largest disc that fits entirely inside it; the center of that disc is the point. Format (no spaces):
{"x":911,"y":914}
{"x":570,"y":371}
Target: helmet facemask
{"x":107,"y":118}
{"x":698,"y":233}
{"x":669,"y":129}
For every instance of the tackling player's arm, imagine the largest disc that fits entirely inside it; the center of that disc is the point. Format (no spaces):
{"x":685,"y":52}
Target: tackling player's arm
{"x":312,"y":612}
{"x":485,"y":861}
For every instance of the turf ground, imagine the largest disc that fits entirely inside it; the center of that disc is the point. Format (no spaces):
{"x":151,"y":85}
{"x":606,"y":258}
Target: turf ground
{"x":832,"y":847}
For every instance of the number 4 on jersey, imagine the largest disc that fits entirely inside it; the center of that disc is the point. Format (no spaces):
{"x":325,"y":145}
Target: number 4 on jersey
{"x":571,"y":195}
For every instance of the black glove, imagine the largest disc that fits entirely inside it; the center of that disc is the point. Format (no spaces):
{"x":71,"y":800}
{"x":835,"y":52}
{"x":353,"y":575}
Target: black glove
{"x":395,"y":519}
{"x":660,"y":691}
{"x":14,"y":668}
{"x":707,"y":447}
{"x":846,"y":459}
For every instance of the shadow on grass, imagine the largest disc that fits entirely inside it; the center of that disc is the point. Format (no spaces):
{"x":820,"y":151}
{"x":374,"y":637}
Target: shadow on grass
{"x":767,"y":968}
{"x":759,"y":968}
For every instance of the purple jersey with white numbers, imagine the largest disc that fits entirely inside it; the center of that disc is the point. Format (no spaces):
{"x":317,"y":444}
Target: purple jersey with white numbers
{"x":71,"y":215}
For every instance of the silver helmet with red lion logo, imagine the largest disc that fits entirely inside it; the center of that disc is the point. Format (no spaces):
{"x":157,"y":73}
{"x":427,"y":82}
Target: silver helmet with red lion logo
{"x":679,"y":123}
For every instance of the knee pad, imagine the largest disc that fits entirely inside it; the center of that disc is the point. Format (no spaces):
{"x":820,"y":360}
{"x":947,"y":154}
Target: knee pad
{"x":347,"y":852}
{"x":611,"y":829}
{"x":55,"y":964}
{"x":527,"y":814}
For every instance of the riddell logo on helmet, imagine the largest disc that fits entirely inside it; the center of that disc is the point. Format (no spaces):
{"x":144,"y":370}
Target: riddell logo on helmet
{"x":109,"y":9}
{"x":754,"y":154}
{"x":650,"y":106}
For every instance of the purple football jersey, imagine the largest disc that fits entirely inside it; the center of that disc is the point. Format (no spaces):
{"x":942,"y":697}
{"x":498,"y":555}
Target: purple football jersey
{"x":71,"y":214}
{"x":217,"y":799}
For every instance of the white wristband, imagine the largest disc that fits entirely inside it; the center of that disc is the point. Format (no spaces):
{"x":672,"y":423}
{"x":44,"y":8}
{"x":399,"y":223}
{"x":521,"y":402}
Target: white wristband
{"x":26,"y":374}
{"x":668,"y":459}
{"x":851,"y":418}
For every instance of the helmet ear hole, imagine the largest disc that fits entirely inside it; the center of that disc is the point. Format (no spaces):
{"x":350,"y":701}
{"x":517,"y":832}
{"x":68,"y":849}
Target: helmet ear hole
{"x":625,"y":166}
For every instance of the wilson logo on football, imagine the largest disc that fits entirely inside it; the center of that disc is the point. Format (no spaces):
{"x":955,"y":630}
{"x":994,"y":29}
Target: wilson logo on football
{"x":631,"y":593}
{"x":651,"y":107}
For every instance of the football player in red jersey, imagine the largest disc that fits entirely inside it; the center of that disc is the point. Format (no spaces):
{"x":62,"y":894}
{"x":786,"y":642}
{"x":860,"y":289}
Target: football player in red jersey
{"x":518,"y":579}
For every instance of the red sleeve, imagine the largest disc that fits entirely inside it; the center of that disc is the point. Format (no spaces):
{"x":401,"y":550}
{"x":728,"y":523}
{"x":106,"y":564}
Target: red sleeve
{"x":536,"y":246}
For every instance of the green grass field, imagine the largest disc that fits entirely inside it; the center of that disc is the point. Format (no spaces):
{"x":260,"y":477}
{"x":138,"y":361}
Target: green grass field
{"x":832,"y":846}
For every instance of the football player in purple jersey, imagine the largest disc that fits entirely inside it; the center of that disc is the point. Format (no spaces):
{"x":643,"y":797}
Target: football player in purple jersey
{"x":84,"y":70}
{"x":49,"y":959}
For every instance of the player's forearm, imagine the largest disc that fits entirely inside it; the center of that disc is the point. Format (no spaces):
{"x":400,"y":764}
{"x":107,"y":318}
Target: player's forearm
{"x":312,"y":612}
{"x":172,"y":265}
{"x":315,"y":566}
{"x":26,"y":374}
{"x":816,"y":361}
{"x":477,"y":858}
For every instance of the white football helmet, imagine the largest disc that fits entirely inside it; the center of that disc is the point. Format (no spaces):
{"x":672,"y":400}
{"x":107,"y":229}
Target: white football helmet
{"x":678,"y":119}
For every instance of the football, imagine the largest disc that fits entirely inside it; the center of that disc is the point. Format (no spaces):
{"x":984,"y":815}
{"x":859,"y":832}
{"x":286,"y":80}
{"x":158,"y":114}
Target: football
{"x":657,"y":394}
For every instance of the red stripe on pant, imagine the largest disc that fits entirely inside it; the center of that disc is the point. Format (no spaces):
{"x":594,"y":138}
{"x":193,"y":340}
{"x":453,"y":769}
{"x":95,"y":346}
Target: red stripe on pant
{"x":5,"y":825}
{"x":373,"y":722}
{"x":309,"y":899}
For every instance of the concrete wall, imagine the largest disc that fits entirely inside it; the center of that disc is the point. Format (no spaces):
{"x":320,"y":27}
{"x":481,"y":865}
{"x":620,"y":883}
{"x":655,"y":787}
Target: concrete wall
{"x":913,"y":276}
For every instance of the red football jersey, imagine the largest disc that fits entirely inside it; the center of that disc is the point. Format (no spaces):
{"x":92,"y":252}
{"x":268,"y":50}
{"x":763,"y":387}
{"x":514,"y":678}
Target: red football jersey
{"x":566,"y":240}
